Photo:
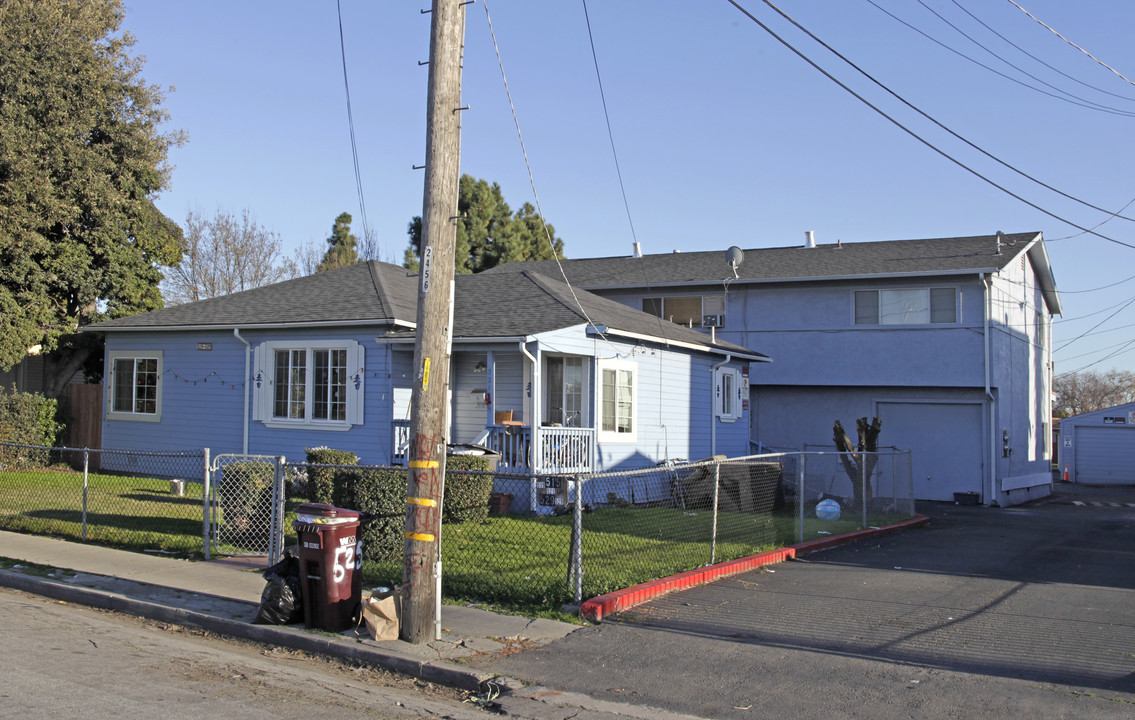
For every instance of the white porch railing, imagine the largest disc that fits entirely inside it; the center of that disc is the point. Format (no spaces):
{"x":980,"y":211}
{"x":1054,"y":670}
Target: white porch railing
{"x":560,"y":450}
{"x":400,"y":445}
{"x":566,"y":450}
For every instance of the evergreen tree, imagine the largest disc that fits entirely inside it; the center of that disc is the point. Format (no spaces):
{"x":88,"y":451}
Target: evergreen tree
{"x":342,"y":247}
{"x":488,"y":232}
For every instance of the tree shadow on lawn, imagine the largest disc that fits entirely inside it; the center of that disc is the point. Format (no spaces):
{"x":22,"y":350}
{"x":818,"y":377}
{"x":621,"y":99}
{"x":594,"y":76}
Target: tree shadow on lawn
{"x":109,"y":522}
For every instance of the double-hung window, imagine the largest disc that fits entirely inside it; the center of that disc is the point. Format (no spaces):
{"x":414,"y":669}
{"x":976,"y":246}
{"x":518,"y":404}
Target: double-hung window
{"x":314,"y":383}
{"x":135,"y":385}
{"x":565,"y":381}
{"x":907,"y":306}
{"x":617,"y":401}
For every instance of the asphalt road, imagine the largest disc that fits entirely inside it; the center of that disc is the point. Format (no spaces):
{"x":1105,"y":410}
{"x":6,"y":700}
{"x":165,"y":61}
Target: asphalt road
{"x":67,"y":661}
{"x":985,"y":612}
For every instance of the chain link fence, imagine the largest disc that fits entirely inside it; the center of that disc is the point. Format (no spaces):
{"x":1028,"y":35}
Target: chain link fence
{"x":138,"y":500}
{"x":547,"y":540}
{"x":507,"y":538}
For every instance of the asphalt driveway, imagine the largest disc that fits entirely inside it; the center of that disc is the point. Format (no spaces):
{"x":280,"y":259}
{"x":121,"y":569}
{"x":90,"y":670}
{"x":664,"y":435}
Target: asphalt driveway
{"x":985,"y":612}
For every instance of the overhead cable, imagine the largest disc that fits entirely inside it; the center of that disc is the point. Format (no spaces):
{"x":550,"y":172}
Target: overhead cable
{"x":1057,"y":34}
{"x":902,"y":127}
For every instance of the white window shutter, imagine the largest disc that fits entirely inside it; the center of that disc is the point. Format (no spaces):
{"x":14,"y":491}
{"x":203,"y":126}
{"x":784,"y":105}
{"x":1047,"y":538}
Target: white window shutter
{"x":357,"y":377}
{"x":261,"y":392}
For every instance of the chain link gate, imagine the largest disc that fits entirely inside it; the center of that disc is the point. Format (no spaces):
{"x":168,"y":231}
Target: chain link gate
{"x":245,"y":510}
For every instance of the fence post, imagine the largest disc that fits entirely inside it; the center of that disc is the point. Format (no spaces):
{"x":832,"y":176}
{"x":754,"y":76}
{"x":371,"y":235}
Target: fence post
{"x":86,"y":459}
{"x":800,"y":497}
{"x":577,"y":541}
{"x":863,"y":483}
{"x":276,"y":548}
{"x":206,"y":504}
{"x":716,"y":496}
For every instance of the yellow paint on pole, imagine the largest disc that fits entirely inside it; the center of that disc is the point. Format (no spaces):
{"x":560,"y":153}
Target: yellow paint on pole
{"x":423,"y":464}
{"x":420,"y":537}
{"x":426,"y":374}
{"x":422,"y":502}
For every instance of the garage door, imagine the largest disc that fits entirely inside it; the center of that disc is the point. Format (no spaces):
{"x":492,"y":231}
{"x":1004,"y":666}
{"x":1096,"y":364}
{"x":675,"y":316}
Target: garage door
{"x":945,"y":444}
{"x":1105,"y":455}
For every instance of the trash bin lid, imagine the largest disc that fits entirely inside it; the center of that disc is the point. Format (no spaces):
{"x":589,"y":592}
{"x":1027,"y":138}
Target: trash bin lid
{"x":320,"y":514}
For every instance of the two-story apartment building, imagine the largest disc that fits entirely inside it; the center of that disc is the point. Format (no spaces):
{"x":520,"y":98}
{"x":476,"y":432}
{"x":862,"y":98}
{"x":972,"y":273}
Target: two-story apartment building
{"x":946,"y":340}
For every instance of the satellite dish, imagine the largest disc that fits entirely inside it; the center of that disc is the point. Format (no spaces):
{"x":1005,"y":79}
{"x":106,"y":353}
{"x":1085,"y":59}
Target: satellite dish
{"x":734,"y":256}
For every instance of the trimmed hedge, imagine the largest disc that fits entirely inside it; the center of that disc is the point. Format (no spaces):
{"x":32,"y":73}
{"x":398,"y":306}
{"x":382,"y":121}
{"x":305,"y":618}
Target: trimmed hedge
{"x":321,"y":480}
{"x":466,"y":496}
{"x":382,"y":493}
{"x":28,"y":419}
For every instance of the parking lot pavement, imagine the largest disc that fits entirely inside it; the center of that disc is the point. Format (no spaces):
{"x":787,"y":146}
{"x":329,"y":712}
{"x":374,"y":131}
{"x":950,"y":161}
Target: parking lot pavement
{"x":1023,"y":611}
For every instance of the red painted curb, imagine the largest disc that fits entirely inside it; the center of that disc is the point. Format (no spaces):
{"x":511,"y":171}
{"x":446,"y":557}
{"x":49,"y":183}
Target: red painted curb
{"x":595,"y":609}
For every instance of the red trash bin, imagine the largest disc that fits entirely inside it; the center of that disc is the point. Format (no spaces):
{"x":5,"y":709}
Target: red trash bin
{"x":331,"y":562}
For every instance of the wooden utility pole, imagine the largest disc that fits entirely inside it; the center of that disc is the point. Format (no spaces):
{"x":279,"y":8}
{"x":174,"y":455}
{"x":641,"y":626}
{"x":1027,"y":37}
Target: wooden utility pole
{"x":428,"y":405}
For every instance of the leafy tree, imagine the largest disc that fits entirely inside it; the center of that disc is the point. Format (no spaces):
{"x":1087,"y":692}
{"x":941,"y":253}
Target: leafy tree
{"x":1084,"y":392}
{"x":489,"y":233}
{"x":81,"y":159}
{"x":223,"y":255}
{"x":342,"y":245}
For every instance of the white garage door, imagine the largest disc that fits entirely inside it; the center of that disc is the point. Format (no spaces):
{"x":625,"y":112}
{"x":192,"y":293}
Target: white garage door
{"x":1105,"y":455}
{"x":945,"y":444}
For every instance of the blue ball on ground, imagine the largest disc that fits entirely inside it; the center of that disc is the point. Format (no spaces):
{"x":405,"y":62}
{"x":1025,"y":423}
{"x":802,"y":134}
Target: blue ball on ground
{"x":827,"y":509}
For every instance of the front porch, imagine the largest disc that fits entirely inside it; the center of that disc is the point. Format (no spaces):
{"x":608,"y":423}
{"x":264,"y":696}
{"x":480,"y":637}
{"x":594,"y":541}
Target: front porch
{"x":551,"y":450}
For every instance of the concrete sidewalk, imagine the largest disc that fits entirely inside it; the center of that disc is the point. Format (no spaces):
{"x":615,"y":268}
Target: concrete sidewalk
{"x":222,"y":596}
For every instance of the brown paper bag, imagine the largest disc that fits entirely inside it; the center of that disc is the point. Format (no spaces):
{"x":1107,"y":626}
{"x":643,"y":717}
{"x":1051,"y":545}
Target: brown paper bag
{"x":382,"y":614}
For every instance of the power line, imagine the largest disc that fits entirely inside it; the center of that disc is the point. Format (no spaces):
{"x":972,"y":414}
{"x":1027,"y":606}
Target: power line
{"x":1039,"y":60}
{"x":1102,"y":287}
{"x":1054,"y":32}
{"x":531,"y":177}
{"x":351,"y":123}
{"x":1094,"y":327}
{"x":898,"y":124}
{"x":1073,"y":99}
{"x":607,"y":117}
{"x":1128,"y":347}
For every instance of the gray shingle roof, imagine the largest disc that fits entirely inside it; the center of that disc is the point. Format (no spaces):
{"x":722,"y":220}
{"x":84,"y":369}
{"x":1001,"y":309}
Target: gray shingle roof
{"x":485,"y":306}
{"x":346,"y":295}
{"x":866,"y":259}
{"x":526,"y":303}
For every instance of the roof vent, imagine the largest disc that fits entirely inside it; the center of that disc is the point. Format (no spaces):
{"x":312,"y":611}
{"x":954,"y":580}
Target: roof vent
{"x":809,"y":239}
{"x":637,"y":250}
{"x":1000,"y":237}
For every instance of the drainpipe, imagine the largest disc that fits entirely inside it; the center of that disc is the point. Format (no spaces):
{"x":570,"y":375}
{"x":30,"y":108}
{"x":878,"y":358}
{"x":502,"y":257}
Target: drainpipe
{"x":713,"y":405}
{"x":247,"y":385}
{"x":987,"y":284}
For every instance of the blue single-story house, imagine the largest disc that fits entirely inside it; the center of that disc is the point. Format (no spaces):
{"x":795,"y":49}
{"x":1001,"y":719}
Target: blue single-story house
{"x":558,"y":380}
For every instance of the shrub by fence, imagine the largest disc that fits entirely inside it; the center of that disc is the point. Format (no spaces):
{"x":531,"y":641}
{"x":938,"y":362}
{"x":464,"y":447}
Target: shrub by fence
{"x":31,"y":420}
{"x":321,"y":472}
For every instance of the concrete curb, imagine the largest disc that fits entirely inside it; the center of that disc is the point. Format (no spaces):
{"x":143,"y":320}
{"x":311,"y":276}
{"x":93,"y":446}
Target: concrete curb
{"x":314,"y":642}
{"x":595,"y":609}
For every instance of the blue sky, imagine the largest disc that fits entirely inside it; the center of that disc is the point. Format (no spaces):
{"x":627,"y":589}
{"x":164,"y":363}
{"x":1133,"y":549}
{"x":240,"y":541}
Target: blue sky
{"x":724,"y":136}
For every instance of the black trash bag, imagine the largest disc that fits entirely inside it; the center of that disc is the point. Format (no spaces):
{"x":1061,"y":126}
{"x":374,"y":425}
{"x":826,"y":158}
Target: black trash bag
{"x":281,"y":603}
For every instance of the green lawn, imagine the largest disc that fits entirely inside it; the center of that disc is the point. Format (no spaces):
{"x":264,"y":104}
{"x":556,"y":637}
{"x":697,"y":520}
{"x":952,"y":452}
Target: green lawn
{"x":130,"y":512}
{"x":514,"y":561}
